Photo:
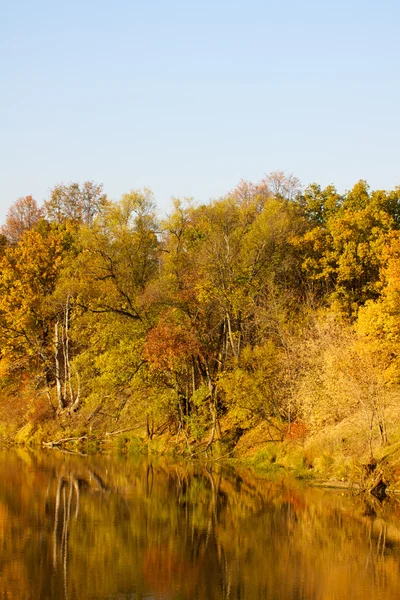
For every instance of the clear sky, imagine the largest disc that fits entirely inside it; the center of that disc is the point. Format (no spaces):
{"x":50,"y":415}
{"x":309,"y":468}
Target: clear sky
{"x":189,"y":97}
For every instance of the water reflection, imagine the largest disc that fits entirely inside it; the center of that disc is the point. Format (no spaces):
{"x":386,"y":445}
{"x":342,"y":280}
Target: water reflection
{"x":101,"y":527}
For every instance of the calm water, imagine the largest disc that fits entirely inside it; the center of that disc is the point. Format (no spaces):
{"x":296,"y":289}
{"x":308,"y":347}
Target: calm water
{"x":99,"y":527}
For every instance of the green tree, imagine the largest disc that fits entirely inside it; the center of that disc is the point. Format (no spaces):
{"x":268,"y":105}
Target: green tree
{"x":104,"y":291}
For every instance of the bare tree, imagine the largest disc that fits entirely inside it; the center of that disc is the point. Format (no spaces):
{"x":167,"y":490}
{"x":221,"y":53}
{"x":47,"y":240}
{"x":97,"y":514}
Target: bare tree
{"x":75,"y":202}
{"x":22,"y":216}
{"x":280,"y":184}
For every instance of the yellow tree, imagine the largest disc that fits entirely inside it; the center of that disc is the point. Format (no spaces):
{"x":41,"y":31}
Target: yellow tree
{"x":344,"y":247}
{"x":379,"y":321}
{"x":28,"y":321}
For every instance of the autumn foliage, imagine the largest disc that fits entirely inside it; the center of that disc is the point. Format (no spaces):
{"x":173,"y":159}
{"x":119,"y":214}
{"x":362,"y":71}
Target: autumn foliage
{"x":274,"y":304}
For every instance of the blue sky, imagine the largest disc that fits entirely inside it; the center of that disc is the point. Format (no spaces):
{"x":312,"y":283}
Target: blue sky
{"x":188,"y":97}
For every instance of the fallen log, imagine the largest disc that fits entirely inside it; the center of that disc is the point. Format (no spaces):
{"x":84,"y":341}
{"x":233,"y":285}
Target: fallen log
{"x":108,"y":433}
{"x":63,"y":441}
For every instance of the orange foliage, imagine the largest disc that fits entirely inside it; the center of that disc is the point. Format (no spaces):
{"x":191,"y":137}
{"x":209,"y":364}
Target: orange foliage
{"x":296,"y":432}
{"x":22,"y":216}
{"x":169,"y":343}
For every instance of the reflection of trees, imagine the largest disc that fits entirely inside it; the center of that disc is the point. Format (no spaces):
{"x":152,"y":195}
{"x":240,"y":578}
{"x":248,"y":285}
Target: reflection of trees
{"x":96,"y":527}
{"x":66,"y":489}
{"x":67,"y":501}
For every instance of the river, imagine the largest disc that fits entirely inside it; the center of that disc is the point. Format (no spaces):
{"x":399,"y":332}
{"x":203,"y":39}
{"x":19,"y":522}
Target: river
{"x":103,"y":527}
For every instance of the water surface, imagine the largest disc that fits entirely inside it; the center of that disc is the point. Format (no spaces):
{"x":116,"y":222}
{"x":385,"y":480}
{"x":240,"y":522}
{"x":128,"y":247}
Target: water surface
{"x":112,"y":528}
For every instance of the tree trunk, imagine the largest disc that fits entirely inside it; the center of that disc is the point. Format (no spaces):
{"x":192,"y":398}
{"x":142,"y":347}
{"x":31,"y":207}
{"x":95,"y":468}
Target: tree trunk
{"x":68,"y":377}
{"x":77,"y":400}
{"x":60,"y":397}
{"x":230,"y":335}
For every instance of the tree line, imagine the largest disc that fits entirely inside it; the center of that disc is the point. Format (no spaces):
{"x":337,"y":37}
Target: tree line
{"x":273,"y":303}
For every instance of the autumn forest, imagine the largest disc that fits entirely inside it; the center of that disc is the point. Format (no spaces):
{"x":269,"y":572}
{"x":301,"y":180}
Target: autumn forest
{"x":265,"y":323}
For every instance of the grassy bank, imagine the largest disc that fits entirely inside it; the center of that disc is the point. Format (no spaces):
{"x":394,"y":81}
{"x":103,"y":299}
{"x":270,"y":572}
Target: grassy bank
{"x":339,"y":453}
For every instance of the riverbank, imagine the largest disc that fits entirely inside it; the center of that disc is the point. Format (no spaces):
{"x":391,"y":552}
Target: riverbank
{"x":336,"y":456}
